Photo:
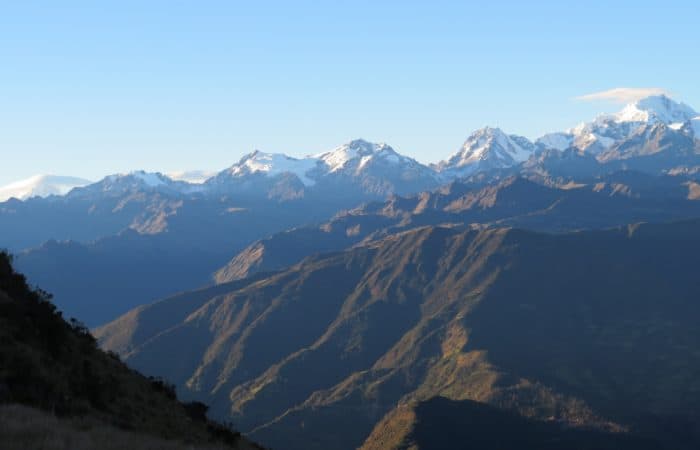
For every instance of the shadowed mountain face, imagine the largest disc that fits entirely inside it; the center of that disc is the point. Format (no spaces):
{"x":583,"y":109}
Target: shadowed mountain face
{"x":449,"y":424}
{"x":166,"y":244}
{"x":23,"y":224}
{"x":615,"y":200}
{"x":176,"y":243}
{"x":588,"y":329}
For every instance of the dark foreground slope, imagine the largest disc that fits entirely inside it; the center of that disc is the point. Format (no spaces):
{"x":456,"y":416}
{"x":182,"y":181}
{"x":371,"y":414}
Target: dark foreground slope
{"x":56,"y":386}
{"x":583,"y":331}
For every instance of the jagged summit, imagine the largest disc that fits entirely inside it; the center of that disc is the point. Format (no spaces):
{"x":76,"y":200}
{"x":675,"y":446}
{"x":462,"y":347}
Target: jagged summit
{"x":376,"y":168}
{"x":136,"y":178}
{"x":358,"y":165}
{"x":658,"y":108}
{"x":488,"y":148}
{"x":607,"y":130}
{"x":361,"y":152}
{"x":358,"y":151}
{"x":272,"y":164}
{"x":135,"y":181}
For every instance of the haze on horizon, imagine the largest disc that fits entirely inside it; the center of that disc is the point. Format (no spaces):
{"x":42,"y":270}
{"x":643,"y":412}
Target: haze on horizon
{"x":89,"y":89}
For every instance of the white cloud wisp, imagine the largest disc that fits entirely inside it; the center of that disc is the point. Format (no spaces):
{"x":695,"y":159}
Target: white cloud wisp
{"x":622,"y":95}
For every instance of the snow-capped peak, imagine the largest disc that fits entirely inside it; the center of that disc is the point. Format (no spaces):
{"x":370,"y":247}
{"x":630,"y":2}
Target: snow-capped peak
{"x":557,"y":141}
{"x":41,"y":186}
{"x":658,"y":108}
{"x":273,"y":164}
{"x":149,"y":179}
{"x":378,"y":165}
{"x":608,"y":129}
{"x":490,"y":144}
{"x":338,"y":158}
{"x":121,"y":183}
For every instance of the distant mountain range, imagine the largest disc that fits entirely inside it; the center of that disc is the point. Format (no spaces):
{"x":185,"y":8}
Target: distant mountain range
{"x":516,"y":201}
{"x":156,"y":228}
{"x":642,"y":129}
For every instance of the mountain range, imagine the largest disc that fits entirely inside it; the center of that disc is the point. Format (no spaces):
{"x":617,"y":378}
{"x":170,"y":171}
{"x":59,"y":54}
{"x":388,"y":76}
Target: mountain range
{"x":532,"y":293}
{"x":655,"y":124}
{"x":168,"y":235}
{"x":614,"y":200}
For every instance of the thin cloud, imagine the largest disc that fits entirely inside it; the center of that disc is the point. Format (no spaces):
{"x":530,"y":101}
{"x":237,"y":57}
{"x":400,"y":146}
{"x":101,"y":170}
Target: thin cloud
{"x":622,"y":95}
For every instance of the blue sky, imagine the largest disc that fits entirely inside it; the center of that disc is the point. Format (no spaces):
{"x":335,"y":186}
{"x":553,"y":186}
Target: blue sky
{"x":91,"y":88}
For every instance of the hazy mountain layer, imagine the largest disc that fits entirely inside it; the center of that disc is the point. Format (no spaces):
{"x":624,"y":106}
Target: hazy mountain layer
{"x":614,"y":200}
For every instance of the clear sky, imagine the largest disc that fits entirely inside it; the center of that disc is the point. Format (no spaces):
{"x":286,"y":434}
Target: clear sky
{"x":96,"y":87}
